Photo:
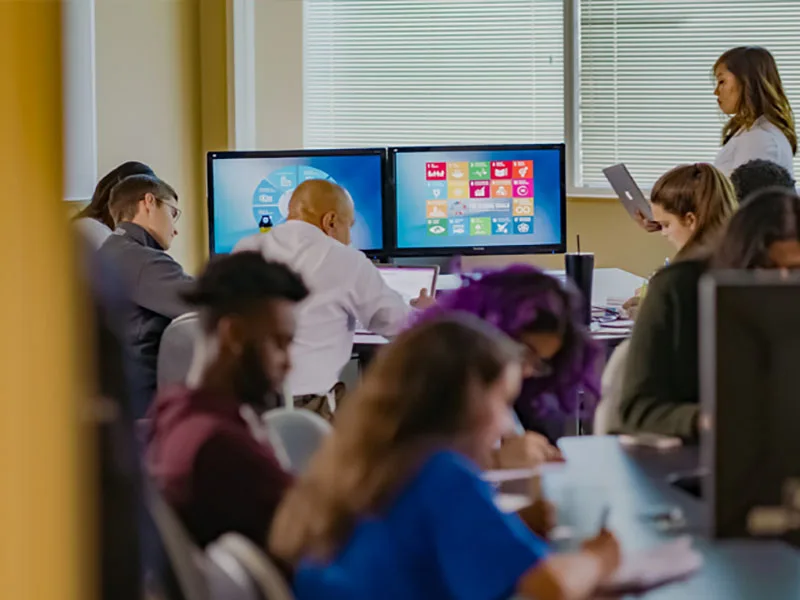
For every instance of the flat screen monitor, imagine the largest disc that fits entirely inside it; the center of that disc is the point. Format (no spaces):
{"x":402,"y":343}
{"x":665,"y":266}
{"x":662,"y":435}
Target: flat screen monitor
{"x":478,"y":200}
{"x":749,"y":387}
{"x":249,"y":192}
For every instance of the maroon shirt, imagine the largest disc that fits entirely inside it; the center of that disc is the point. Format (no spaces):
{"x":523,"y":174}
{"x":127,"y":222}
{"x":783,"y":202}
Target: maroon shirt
{"x":210,"y":468}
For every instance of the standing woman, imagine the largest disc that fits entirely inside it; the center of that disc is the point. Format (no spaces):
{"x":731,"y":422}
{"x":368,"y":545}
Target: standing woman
{"x":761,"y":124}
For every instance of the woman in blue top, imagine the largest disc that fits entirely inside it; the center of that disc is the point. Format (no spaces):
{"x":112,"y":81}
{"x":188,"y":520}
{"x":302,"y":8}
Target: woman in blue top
{"x":393,"y":505}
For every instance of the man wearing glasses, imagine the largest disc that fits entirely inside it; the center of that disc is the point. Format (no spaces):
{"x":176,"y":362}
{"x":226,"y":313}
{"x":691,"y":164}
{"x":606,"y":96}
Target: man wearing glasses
{"x":145,"y":210}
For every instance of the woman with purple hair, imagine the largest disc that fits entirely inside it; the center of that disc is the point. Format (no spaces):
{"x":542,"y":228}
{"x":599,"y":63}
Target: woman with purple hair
{"x":538,"y":311}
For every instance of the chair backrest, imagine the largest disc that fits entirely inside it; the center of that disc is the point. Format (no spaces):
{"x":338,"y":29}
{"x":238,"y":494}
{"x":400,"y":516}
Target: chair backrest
{"x":267,"y":578}
{"x":176,"y":350}
{"x":186,"y":559}
{"x":298,"y":433}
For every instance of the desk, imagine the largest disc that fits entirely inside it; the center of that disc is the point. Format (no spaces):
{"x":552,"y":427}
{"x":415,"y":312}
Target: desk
{"x":632,"y":482}
{"x":611,"y":286}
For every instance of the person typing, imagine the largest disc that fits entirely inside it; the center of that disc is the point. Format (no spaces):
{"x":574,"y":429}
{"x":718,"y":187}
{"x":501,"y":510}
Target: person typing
{"x":345,"y":288}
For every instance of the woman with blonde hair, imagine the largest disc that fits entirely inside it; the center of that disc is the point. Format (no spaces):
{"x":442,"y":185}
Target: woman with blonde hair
{"x":691,"y":203}
{"x":761,"y":124}
{"x":394,"y":506}
{"x":660,"y":380}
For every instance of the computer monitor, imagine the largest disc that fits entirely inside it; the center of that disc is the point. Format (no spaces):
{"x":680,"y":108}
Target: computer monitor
{"x":750,"y":389}
{"x":249,"y":192}
{"x":477,"y":200}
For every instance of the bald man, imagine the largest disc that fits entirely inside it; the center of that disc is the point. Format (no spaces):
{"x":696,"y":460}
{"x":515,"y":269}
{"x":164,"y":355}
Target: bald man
{"x":345,"y":287}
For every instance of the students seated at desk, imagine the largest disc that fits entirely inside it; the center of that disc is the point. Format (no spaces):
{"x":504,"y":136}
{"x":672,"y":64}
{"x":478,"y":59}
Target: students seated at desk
{"x":345,"y":287}
{"x":763,"y":234}
{"x":94,"y":222}
{"x":394,"y":506}
{"x":204,"y":457}
{"x":758,"y":175}
{"x":146,"y":211}
{"x":538,"y":311}
{"x":692,"y":203}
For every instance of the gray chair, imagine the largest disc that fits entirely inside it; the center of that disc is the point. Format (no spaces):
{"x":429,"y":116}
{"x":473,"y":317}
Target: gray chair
{"x":296,"y":434}
{"x":211,"y":575}
{"x":176,"y":351}
{"x":265,"y":576}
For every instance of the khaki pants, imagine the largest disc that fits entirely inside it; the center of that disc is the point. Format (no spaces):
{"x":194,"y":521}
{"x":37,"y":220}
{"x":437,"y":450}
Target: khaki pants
{"x":323,"y":405}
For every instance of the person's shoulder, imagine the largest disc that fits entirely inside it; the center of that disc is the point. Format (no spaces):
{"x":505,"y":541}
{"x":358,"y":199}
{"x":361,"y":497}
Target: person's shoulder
{"x":448,"y":469}
{"x":680,"y":271}
{"x":677,"y":280}
{"x":250,"y":243}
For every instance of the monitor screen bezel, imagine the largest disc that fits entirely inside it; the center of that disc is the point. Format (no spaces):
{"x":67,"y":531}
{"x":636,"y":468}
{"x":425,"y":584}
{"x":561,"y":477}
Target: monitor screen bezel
{"x":308,"y":153}
{"x":390,"y":208}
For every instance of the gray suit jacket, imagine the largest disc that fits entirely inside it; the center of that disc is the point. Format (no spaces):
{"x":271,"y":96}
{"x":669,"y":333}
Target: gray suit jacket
{"x":155,"y":282}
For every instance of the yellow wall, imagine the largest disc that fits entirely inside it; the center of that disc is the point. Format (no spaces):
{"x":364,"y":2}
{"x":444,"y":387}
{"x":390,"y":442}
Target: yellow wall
{"x":148,"y":101}
{"x":46,"y":512}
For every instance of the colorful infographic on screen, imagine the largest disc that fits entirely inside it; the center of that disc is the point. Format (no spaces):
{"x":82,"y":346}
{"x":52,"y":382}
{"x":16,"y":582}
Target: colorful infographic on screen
{"x":478,"y":198}
{"x":252,"y":195}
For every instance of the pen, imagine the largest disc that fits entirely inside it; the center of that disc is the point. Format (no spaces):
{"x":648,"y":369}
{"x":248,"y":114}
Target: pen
{"x":604,"y":517}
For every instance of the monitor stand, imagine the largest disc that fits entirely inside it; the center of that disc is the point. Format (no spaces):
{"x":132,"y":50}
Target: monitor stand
{"x":448,"y":265}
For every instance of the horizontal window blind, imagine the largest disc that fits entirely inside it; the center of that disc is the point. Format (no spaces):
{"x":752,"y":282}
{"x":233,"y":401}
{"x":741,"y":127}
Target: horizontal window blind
{"x":646,"y":90}
{"x":406,"y":72}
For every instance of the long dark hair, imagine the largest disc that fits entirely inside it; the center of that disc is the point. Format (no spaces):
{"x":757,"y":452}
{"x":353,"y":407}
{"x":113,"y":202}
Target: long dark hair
{"x":768,"y":217}
{"x":417,"y":396}
{"x":762,"y":92}
{"x":98,"y":207}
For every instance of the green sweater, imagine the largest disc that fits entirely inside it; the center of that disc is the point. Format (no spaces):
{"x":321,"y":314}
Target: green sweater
{"x":661,"y":389}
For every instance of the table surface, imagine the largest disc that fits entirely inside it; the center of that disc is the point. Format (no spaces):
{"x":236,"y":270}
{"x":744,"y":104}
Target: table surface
{"x":610,"y":286}
{"x":599,"y":472}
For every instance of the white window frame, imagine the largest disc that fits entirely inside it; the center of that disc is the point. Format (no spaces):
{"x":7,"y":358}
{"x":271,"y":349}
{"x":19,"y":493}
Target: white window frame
{"x":243,"y":105}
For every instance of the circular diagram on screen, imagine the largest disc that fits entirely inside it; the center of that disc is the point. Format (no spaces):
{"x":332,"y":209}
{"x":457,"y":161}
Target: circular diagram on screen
{"x":271,"y":197}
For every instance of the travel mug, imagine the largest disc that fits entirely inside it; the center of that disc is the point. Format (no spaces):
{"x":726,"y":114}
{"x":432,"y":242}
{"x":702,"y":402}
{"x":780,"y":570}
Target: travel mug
{"x":580,"y":269}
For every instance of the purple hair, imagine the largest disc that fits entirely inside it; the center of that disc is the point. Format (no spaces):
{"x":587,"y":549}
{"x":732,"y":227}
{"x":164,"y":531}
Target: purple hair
{"x":522,"y":298}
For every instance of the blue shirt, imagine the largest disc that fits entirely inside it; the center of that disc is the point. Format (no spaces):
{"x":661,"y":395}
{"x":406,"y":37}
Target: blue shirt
{"x":442,"y":538}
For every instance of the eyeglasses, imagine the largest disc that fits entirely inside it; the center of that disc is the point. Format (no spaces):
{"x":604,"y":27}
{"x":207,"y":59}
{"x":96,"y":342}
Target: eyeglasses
{"x":174,"y":211}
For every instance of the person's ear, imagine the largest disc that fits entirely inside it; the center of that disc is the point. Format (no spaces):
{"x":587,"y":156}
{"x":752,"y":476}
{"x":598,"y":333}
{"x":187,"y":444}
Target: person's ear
{"x":231,"y":336}
{"x":149,"y":202}
{"x":329,"y":220}
{"x":690,"y":220}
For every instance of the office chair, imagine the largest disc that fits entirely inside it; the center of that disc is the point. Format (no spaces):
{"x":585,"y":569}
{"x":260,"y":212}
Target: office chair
{"x":176,"y":351}
{"x":265,"y":575}
{"x":298,"y":434}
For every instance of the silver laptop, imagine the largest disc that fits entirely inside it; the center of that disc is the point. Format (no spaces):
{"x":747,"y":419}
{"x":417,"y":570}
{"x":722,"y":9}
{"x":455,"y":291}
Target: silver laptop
{"x":629,"y":193}
{"x":407,"y":281}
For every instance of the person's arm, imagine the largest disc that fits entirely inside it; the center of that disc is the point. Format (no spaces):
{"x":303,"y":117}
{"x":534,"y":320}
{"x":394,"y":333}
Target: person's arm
{"x":573,"y":576}
{"x":485,"y":553}
{"x":756,"y":144}
{"x":651,"y":389}
{"x":159,"y":287}
{"x":381,"y":309}
{"x":238,"y":485}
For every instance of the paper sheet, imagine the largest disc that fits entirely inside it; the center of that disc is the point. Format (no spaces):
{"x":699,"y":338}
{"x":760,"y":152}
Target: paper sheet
{"x":652,"y":568}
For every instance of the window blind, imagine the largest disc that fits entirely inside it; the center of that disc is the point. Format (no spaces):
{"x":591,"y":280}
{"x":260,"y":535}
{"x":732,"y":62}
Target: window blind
{"x":406,"y":72}
{"x":646,"y":89}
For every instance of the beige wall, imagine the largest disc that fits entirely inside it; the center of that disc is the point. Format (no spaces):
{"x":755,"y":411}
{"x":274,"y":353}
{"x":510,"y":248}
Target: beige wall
{"x":148,"y":102}
{"x":603,"y":225}
{"x":279,"y":74}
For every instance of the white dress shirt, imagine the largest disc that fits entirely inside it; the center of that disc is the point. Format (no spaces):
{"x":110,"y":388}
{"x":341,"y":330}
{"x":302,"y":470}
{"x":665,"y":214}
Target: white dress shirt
{"x":345,"y":286}
{"x":763,"y":140}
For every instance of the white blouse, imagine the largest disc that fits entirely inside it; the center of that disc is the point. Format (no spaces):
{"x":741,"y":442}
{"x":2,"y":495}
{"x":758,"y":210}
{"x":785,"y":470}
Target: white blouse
{"x":763,"y":140}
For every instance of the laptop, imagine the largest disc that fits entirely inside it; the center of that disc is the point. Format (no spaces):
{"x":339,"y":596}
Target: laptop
{"x":407,"y":281}
{"x":628,"y":192}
